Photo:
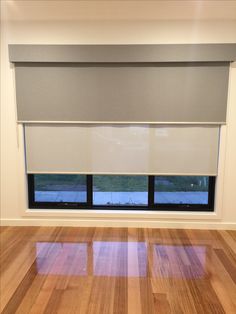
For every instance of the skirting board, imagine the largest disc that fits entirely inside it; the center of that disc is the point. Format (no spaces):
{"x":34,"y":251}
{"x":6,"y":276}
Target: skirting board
{"x":118,"y":223}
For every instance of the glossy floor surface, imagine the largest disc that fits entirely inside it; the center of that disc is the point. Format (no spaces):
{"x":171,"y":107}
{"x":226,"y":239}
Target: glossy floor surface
{"x":106,"y":270}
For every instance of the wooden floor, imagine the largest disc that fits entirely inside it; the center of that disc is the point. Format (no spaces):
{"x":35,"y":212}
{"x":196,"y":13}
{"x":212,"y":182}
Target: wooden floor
{"x":106,"y":270}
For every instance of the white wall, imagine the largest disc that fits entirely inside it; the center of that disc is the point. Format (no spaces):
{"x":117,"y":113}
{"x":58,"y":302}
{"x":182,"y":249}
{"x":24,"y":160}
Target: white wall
{"x":112,"y":22}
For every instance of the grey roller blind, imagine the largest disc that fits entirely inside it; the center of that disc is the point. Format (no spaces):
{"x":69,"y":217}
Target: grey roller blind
{"x":133,"y":92}
{"x":123,"y":149}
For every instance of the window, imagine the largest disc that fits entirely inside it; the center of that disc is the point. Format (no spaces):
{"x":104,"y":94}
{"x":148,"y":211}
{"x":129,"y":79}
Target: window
{"x":47,"y":190}
{"x":120,"y":190}
{"x":181,"y":190}
{"x":190,"y":193}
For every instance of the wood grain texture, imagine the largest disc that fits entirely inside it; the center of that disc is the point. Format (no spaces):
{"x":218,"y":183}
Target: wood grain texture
{"x":117,"y":270}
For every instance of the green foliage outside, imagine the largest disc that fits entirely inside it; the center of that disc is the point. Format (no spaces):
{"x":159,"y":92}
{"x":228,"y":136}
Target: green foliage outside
{"x":120,"y":183}
{"x":181,"y":183}
{"x":57,"y":182}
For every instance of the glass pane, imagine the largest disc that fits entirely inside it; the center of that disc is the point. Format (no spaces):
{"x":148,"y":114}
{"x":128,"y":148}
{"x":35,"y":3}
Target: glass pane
{"x":181,"y":190}
{"x":120,"y":190}
{"x":60,"y":188}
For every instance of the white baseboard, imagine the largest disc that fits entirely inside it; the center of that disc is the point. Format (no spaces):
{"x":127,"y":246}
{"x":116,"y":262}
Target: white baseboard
{"x":118,"y":223}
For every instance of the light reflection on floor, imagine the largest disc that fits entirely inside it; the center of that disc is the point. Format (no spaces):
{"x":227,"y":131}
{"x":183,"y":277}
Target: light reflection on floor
{"x":178,"y":261}
{"x":57,"y":258}
{"x":120,"y":259}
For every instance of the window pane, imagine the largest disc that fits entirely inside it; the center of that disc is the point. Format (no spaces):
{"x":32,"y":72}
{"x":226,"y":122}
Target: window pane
{"x":60,"y":188}
{"x":120,"y":190}
{"x":181,"y":190}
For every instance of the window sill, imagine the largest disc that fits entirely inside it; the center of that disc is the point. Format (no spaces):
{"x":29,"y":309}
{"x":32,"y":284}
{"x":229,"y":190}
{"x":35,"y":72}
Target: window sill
{"x":121,"y":214}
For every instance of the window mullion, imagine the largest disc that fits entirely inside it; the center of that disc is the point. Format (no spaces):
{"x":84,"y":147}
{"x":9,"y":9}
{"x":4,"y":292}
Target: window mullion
{"x":90,"y":191}
{"x":151,"y":191}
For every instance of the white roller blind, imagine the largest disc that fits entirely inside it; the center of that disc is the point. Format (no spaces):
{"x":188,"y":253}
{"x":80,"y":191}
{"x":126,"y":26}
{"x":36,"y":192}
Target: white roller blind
{"x":122,"y":149}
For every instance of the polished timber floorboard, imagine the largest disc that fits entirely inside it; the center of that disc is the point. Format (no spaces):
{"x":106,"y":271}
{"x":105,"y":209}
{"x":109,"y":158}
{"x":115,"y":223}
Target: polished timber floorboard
{"x":117,"y":270}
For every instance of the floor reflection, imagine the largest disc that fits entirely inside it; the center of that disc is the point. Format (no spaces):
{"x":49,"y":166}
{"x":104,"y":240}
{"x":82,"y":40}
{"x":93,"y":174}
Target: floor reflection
{"x":178,"y":261}
{"x":58,"y":258}
{"x":121,"y":259}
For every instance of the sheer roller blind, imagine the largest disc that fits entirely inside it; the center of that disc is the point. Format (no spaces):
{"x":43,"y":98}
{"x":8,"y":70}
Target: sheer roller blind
{"x":122,"y":149}
{"x":144,"y":92}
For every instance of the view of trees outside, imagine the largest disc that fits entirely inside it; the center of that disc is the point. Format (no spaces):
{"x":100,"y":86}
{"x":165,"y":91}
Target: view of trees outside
{"x":110,"y":183}
{"x":181,"y":190}
{"x":60,"y":188}
{"x":181,"y":183}
{"x":118,"y":183}
{"x":60,"y":182}
{"x":120,"y":190}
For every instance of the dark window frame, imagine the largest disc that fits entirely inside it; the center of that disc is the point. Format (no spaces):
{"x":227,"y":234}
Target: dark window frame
{"x":55,"y":205}
{"x":151,"y":206}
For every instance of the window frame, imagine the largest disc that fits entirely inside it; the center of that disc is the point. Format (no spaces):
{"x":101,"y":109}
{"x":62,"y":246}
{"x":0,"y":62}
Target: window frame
{"x":55,"y":205}
{"x":185,"y":206}
{"x":151,"y":206}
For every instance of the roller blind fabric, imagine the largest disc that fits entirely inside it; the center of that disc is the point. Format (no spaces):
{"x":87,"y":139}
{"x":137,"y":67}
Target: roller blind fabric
{"x":122,"y":92}
{"x":122,"y":149}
